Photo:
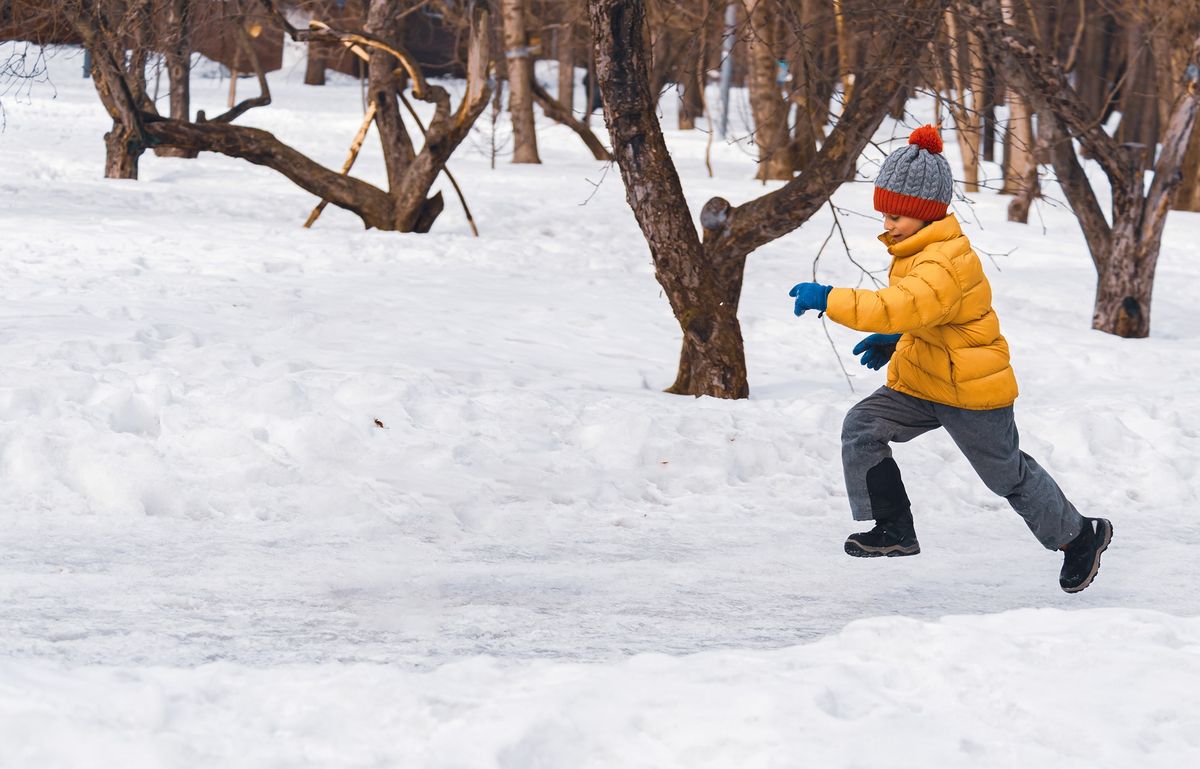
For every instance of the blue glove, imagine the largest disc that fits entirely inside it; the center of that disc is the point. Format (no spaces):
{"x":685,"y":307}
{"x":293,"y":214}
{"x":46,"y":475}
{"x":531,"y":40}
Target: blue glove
{"x":810,"y":296}
{"x":877,"y":350}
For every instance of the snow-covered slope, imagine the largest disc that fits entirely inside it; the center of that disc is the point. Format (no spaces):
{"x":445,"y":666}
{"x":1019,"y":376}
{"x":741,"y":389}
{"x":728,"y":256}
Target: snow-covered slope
{"x":211,"y":554}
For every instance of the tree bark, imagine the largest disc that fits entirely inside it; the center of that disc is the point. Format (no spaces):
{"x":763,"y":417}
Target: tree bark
{"x":566,"y":63}
{"x":520,"y":81}
{"x":122,"y":151}
{"x":691,"y":104}
{"x":314,"y":65}
{"x":1124,"y":290}
{"x":766,"y":99}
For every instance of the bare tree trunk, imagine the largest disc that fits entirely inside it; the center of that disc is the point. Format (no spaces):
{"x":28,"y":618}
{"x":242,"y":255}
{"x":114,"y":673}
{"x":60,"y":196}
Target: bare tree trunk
{"x":179,"y":77}
{"x":845,"y":53}
{"x":712,"y":361}
{"x":966,"y":71}
{"x":566,"y":62}
{"x":314,"y":67}
{"x":812,"y":83}
{"x":1023,"y":168}
{"x":691,"y":105}
{"x":520,"y":80}
{"x":383,"y":87}
{"x":988,"y":112}
{"x":766,"y":99}
{"x":1020,"y":159}
{"x":1124,"y":291}
{"x":122,"y":150}
{"x":178,"y":55}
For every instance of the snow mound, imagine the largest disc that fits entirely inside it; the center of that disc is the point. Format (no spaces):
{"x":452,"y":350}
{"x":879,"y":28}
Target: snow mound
{"x":1032,"y":688}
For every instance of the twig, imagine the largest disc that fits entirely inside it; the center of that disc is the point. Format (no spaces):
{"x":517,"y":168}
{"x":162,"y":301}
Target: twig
{"x":837,"y":357}
{"x":992,"y":256}
{"x":596,"y":185}
{"x":824,"y":323}
{"x":838,"y":224}
{"x":708,"y":124}
{"x":820,"y":251}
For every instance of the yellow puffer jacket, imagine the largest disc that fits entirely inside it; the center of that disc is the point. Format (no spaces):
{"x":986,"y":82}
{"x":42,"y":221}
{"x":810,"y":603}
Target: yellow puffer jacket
{"x":951,"y":350}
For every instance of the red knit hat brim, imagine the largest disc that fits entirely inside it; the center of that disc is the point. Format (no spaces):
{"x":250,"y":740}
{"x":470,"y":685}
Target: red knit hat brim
{"x":899,"y":204}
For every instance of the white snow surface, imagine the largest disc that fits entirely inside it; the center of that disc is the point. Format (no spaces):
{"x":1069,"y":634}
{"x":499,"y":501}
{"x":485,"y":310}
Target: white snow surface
{"x":212,"y":554}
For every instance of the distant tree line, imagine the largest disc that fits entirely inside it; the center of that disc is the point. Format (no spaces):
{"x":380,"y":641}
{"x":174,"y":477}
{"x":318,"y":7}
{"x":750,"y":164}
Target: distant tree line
{"x":1031,"y":89}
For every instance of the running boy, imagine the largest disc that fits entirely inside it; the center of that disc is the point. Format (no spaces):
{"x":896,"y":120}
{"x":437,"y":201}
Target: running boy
{"x":948,"y":368}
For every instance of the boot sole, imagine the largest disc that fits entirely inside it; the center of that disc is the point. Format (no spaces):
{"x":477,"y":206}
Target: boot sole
{"x":1095,"y":561}
{"x":891,"y":551}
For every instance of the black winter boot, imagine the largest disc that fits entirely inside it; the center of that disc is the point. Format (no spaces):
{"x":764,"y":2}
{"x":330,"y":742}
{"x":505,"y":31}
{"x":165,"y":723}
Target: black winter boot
{"x":892,"y":536}
{"x":1081,"y":559}
{"x":893,"y":533}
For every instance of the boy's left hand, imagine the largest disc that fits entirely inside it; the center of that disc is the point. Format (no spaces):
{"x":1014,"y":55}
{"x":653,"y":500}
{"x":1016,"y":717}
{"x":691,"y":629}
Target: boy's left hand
{"x":810,"y":296}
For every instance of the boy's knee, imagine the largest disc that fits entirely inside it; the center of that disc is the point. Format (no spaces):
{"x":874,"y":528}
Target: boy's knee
{"x":856,"y":425}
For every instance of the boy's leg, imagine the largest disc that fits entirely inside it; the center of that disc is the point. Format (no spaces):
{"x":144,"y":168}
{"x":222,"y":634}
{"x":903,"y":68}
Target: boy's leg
{"x":990,"y":443}
{"x":873,"y":482}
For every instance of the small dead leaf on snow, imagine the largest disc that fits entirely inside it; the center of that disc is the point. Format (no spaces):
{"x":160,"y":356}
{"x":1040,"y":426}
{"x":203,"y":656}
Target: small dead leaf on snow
{"x":664,"y":462}
{"x":379,"y":424}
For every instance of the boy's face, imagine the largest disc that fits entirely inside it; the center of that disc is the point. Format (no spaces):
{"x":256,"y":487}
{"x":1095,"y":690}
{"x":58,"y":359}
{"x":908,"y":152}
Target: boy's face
{"x":900,"y":227}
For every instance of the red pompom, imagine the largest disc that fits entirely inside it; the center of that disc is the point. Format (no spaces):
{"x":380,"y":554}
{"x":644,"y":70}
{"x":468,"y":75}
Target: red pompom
{"x":927,"y":138}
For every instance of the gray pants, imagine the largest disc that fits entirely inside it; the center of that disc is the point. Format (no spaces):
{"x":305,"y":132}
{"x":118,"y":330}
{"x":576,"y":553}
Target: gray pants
{"x":989,"y":441}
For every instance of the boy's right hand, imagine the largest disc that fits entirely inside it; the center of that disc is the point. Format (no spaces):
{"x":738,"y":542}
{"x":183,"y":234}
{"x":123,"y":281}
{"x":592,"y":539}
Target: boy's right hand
{"x":877,"y":350}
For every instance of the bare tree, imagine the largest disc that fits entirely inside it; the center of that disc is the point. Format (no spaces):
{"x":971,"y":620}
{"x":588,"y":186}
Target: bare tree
{"x":119,"y":73}
{"x":1125,"y":251}
{"x":702,"y":278}
{"x":405,"y":205}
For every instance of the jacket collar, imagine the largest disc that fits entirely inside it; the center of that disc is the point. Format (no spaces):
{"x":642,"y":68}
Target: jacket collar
{"x":942,"y":229}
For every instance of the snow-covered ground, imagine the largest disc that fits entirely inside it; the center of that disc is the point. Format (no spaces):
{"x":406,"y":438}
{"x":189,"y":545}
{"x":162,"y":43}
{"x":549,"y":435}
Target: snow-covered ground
{"x":213,"y":555}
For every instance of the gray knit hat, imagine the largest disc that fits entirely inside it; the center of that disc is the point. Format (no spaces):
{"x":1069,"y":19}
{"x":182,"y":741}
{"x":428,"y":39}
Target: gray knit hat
{"x":915,"y":181}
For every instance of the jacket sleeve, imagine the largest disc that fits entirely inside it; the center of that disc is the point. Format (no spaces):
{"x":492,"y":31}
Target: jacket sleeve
{"x":928,"y":296}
